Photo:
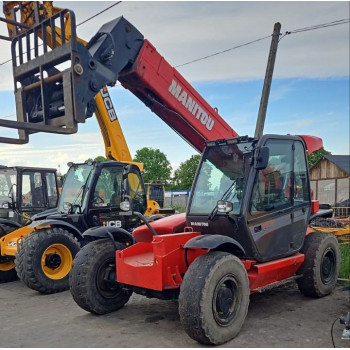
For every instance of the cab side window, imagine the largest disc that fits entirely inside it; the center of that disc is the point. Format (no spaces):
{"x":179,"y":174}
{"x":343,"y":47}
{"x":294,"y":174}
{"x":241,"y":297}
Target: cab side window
{"x":32,"y":190}
{"x":301,"y":183}
{"x":272,"y":189}
{"x":135,"y":188}
{"x":108,"y":190}
{"x":52,"y":194}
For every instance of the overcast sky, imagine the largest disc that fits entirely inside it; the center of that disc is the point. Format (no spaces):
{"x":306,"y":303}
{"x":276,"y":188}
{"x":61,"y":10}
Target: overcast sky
{"x":309,"y":94}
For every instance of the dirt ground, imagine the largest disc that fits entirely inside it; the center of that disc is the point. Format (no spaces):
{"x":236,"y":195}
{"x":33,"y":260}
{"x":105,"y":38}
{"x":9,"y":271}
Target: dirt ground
{"x":281,"y":317}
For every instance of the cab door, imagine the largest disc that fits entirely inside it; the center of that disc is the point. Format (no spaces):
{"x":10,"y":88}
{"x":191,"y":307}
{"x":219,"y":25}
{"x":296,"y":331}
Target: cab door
{"x":33,"y":198}
{"x":270,"y":218}
{"x":105,"y":197}
{"x":301,"y":196}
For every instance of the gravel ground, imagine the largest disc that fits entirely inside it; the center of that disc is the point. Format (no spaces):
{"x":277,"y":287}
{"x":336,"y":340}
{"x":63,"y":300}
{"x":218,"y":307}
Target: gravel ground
{"x":281,"y":317}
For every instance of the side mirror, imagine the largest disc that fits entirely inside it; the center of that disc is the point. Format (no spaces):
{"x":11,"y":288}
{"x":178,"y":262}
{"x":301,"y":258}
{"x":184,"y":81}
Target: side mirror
{"x":224,"y":207}
{"x":6,"y":205}
{"x":261,"y":158}
{"x":67,"y":206}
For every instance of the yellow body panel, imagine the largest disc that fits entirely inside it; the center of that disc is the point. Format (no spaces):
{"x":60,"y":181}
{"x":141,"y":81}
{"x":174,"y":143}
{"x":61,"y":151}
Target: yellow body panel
{"x":9,"y":243}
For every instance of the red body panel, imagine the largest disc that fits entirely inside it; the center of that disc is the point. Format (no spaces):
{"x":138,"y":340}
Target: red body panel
{"x":312,"y":143}
{"x":160,"y":264}
{"x":264,"y":274}
{"x":315,"y":206}
{"x":169,"y":224}
{"x":157,"y":265}
{"x":194,"y":119}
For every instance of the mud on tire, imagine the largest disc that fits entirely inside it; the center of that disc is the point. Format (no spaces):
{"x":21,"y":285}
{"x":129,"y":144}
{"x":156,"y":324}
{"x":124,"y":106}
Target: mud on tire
{"x":44,"y":259}
{"x":93,"y":278}
{"x":321,"y":266}
{"x":7,"y":268}
{"x":214,"y":298}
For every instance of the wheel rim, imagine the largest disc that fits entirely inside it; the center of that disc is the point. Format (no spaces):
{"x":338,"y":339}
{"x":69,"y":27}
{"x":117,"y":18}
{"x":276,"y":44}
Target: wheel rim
{"x":225,"y":303}
{"x":106,"y":283}
{"x":328,"y":266}
{"x":7,"y":266}
{"x":56,"y":261}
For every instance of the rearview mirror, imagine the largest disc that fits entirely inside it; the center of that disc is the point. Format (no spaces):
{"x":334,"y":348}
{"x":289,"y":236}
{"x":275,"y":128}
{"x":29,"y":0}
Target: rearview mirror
{"x":6,"y":205}
{"x":261,"y":158}
{"x":224,"y":207}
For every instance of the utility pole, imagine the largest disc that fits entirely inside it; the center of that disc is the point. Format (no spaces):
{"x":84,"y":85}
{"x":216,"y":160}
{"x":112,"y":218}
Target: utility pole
{"x":259,"y":130}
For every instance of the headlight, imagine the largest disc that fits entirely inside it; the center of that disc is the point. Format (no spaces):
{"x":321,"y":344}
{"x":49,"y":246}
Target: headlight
{"x":125,"y":206}
{"x":5,"y":205}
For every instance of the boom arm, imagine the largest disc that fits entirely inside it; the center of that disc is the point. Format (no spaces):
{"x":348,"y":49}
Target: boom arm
{"x":117,"y":51}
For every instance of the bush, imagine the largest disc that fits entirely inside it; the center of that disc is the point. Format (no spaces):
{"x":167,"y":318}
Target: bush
{"x":345,"y":261}
{"x":178,"y":208}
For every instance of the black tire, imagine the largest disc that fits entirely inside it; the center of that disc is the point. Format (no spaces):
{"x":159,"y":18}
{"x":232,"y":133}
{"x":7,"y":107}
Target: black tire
{"x":5,"y":229}
{"x":93,"y":278}
{"x":321,"y":266}
{"x":44,"y":259}
{"x":7,"y":268}
{"x":214,"y":298}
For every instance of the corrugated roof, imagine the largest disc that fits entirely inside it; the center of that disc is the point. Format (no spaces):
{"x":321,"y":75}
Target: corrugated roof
{"x":343,"y":162}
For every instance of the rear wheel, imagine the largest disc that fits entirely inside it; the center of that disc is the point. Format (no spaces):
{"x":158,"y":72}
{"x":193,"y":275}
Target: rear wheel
{"x":44,"y":259}
{"x":321,"y":266}
{"x":7,"y":268}
{"x":214,"y":298}
{"x":93,"y":278}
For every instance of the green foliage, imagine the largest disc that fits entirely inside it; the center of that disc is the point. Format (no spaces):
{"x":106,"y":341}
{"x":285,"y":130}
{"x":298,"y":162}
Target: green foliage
{"x":314,"y":157}
{"x":345,"y":262}
{"x":98,"y":159}
{"x":156,"y":164}
{"x":178,"y":208}
{"x":184,"y":175}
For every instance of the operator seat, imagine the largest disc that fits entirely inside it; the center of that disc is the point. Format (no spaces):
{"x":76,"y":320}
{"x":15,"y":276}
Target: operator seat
{"x":115,"y":199}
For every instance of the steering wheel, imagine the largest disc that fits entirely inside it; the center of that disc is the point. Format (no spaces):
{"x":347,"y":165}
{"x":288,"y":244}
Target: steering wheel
{"x":98,"y":200}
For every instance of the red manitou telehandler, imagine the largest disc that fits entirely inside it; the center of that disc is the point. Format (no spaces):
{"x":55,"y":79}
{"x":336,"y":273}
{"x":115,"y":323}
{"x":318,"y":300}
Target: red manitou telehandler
{"x":246,"y":225}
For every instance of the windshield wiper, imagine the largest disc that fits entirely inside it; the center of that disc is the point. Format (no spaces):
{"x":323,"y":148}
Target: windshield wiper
{"x":81,"y":190}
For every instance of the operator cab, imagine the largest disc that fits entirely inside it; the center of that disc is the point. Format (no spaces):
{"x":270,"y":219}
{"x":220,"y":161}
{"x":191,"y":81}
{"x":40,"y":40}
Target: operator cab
{"x":25,"y":191}
{"x":254,"y":191}
{"x":92,"y":194}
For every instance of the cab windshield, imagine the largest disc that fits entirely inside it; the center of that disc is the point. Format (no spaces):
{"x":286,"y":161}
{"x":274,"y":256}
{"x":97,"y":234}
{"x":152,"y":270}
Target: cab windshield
{"x":75,"y":187}
{"x":222,"y":176}
{"x":8,"y":179}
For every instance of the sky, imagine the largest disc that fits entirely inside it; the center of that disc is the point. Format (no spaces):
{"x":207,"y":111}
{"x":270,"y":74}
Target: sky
{"x":309,"y":92}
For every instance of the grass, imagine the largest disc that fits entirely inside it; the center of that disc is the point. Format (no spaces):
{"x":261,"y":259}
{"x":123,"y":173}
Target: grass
{"x":179,"y":208}
{"x":345,"y":261}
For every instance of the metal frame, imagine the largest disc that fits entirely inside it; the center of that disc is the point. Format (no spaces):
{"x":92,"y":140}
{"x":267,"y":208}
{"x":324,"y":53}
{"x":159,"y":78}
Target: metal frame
{"x":32,"y":66}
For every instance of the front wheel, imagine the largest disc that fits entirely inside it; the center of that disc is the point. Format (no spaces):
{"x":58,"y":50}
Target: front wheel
{"x":214,"y":298}
{"x":93,"y":277}
{"x":44,"y":259}
{"x":320,"y":269}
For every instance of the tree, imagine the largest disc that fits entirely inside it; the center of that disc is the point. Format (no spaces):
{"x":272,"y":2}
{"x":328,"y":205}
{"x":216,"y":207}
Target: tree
{"x":156,"y":164}
{"x":98,"y":159}
{"x":184,"y":175}
{"x":314,"y":157}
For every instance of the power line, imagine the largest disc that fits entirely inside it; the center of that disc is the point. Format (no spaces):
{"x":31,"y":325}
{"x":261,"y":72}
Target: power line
{"x":97,"y":14}
{"x":318,"y":26}
{"x":324,"y":25}
{"x":223,"y":51}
